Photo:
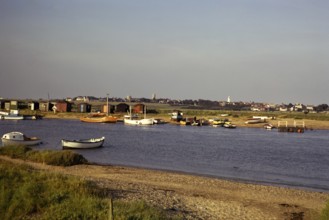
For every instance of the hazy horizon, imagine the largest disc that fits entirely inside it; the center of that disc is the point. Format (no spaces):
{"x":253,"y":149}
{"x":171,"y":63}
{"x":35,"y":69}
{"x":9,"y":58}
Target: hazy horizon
{"x":272,"y":51}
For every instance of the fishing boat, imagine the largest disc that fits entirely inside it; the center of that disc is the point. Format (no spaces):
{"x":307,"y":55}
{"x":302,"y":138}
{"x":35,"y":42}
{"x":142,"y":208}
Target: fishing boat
{"x":12,"y":115}
{"x":83,"y":143}
{"x":132,"y":121}
{"x":144,"y":121}
{"x":18,"y":138}
{"x":97,"y":119}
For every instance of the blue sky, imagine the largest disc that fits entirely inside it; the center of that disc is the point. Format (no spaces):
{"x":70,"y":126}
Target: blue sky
{"x":251,"y":50}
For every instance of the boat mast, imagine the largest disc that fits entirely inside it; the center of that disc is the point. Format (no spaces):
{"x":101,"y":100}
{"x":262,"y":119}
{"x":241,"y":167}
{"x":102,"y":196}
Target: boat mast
{"x":130,"y":112}
{"x":107,"y":104}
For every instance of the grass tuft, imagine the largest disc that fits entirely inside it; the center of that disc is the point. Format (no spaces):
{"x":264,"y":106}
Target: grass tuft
{"x":56,"y":158}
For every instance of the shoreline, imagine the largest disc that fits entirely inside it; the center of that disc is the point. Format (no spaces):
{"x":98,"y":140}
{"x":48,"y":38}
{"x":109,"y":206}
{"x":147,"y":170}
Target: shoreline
{"x":231,"y":179}
{"x":196,"y":197}
{"x":310,"y":125}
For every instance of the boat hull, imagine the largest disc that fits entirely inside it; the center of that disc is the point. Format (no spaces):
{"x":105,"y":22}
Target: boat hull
{"x":12,"y":117}
{"x":145,"y":121}
{"x":105,"y":119}
{"x":6,"y":142}
{"x":83,"y":144}
{"x":18,"y":138}
{"x":254,"y":121}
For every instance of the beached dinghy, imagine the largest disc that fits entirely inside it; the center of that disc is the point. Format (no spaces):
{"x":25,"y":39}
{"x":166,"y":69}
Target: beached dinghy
{"x":83,"y":143}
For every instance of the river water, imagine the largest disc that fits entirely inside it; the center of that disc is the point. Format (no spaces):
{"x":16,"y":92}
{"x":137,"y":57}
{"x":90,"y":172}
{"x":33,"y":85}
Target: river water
{"x":243,"y":154}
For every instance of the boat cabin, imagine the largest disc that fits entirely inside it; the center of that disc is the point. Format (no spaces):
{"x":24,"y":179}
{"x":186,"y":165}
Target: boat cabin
{"x":14,"y":136}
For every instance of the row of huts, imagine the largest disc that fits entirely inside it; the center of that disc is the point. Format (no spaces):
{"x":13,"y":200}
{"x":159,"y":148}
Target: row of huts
{"x":64,"y":106}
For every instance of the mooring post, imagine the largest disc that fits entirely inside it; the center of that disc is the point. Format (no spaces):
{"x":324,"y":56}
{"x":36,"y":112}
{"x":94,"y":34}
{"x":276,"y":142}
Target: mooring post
{"x":111,"y":209}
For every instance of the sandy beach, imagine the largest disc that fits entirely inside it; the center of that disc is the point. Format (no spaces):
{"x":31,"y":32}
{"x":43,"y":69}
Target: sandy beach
{"x":197,"y":197}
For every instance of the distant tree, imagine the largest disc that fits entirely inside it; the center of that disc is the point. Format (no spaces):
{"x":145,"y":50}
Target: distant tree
{"x":322,"y":107}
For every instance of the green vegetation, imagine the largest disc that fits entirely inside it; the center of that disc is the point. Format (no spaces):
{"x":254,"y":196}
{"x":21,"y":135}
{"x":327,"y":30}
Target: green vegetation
{"x":57,"y":158}
{"x":325,"y":212}
{"x":26,"y":193}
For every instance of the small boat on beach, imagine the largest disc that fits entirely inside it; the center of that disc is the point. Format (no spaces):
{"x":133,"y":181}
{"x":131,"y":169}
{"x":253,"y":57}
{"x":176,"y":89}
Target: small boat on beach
{"x":269,"y":126}
{"x":229,"y":125}
{"x":254,"y":120}
{"x":18,"y":138}
{"x":219,"y":122}
{"x":158,"y":121}
{"x":83,"y":143}
{"x":102,"y":119}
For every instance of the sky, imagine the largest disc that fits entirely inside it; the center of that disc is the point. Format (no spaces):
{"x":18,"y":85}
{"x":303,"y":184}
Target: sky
{"x":274,"y":51}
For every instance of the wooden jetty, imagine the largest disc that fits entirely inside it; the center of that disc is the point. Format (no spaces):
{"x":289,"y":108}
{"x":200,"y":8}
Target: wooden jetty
{"x":298,"y":127}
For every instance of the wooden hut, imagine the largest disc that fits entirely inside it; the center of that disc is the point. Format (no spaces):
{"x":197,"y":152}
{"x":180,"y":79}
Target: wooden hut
{"x":108,"y":109}
{"x":2,"y":104}
{"x":84,"y":107}
{"x":33,"y":106}
{"x":122,"y":108}
{"x":138,"y":108}
{"x":45,"y":106}
{"x":63,"y":106}
{"x":13,"y":105}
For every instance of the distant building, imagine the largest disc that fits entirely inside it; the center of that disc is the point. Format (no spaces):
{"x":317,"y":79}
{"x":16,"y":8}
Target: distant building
{"x":138,"y":108}
{"x":63,"y":106}
{"x":46,"y":106}
{"x":128,"y":98}
{"x":33,"y":106}
{"x":122,"y":108}
{"x":82,"y":99}
{"x":108,"y":108}
{"x":84,"y":107}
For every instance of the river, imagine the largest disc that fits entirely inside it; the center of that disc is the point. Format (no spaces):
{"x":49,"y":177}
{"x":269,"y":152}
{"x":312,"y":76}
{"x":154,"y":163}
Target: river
{"x":243,"y":154}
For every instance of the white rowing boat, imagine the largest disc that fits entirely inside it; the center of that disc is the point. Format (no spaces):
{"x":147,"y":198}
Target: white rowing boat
{"x":83,"y":143}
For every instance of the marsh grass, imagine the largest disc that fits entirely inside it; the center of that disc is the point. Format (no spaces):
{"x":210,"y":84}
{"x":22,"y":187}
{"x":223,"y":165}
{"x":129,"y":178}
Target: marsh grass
{"x":26,"y":193}
{"x":325,"y":212}
{"x":57,"y":158}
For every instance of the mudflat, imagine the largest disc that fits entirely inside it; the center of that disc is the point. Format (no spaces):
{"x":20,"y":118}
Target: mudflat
{"x":197,"y":197}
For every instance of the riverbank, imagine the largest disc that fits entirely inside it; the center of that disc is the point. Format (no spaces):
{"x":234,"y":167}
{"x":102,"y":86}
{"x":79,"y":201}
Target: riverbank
{"x":197,"y":197}
{"x":239,"y":121}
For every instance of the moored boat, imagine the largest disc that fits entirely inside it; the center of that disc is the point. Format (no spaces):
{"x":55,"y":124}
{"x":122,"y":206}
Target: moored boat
{"x":83,"y":143}
{"x":103,"y":119}
{"x":18,"y":138}
{"x":132,"y":121}
{"x":12,"y":115}
{"x":144,"y":121}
